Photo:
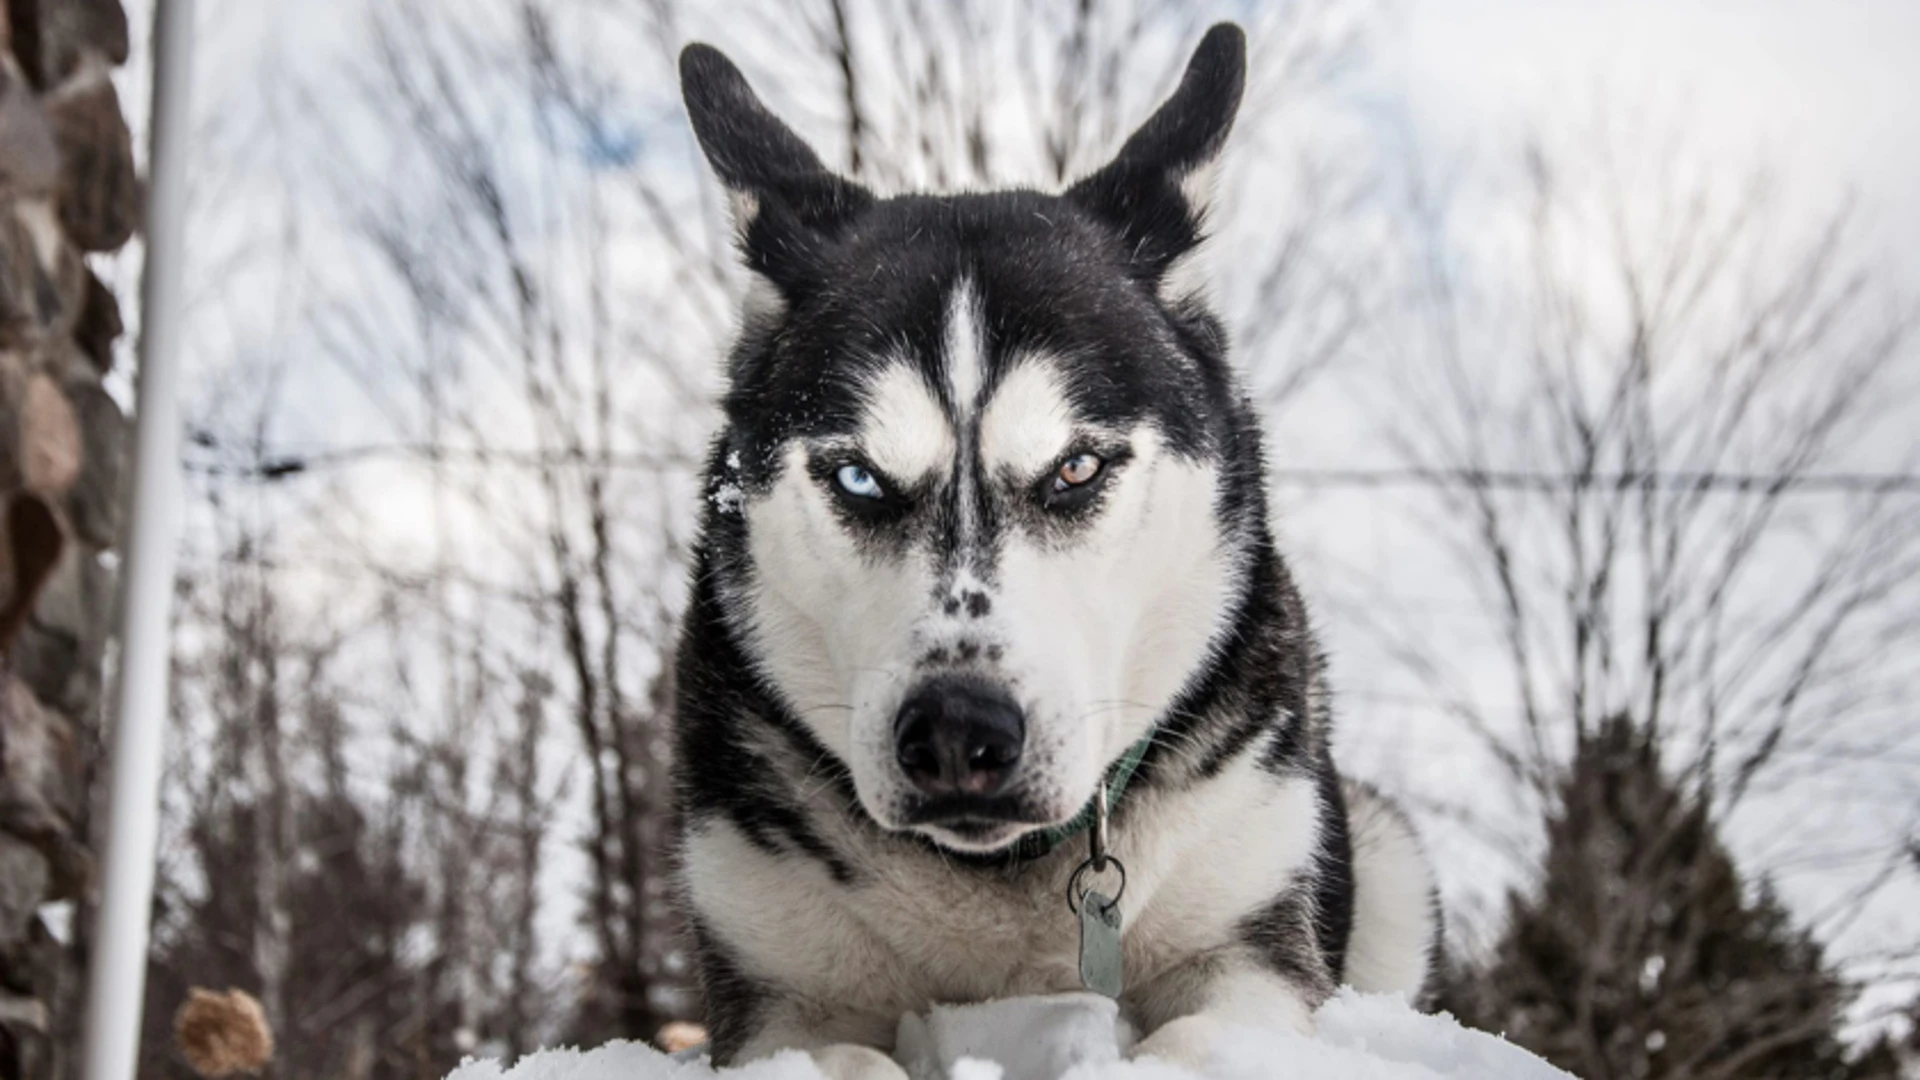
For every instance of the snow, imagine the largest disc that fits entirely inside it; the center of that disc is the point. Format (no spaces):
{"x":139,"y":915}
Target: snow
{"x":1080,"y":1036}
{"x":1028,"y":1036}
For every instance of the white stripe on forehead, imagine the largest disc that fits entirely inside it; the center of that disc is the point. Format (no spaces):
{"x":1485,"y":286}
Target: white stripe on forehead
{"x":965,"y":347}
{"x":905,"y":433}
{"x":1028,"y":422}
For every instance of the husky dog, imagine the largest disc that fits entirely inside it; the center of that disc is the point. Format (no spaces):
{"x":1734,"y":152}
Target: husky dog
{"x":986,"y":535}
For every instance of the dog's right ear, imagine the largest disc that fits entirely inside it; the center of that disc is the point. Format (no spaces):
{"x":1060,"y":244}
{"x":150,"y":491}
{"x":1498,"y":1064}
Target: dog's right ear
{"x":785,"y":202}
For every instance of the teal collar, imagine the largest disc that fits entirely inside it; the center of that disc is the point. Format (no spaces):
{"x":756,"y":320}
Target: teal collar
{"x":1118,"y":777}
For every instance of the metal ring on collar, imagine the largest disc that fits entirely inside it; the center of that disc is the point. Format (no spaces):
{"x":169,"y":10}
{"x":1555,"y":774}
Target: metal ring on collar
{"x":1074,"y":892}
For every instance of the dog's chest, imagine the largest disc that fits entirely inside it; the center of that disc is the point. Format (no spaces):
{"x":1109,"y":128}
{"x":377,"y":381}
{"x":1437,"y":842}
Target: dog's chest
{"x":952,"y":936}
{"x":912,"y":929}
{"x":905,"y":932}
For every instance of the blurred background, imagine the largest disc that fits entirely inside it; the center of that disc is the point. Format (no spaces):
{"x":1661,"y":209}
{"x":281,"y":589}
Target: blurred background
{"x":1585,"y":333}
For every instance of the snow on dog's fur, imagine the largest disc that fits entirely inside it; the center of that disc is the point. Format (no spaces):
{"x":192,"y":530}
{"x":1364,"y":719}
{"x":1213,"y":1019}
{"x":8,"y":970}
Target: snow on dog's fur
{"x":986,"y":513}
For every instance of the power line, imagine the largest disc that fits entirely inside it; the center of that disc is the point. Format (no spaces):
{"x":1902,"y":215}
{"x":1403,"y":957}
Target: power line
{"x":1545,"y":481}
{"x":282,"y":465}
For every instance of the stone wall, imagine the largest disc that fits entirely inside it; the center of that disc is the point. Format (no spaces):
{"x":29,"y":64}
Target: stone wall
{"x":67,"y":189}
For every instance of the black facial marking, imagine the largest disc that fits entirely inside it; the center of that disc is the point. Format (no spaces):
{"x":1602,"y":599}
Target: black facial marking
{"x":1062,"y":293}
{"x":779,"y":830}
{"x":978,"y":605}
{"x":713,"y":695}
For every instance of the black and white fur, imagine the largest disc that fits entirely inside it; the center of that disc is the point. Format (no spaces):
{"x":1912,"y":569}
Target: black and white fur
{"x":961,"y":353}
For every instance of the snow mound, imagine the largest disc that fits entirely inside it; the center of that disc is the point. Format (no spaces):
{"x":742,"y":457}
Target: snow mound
{"x":1077,"y":1037}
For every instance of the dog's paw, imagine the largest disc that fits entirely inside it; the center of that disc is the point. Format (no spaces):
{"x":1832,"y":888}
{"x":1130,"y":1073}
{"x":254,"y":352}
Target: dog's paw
{"x":845,"y":1061}
{"x":1187,"y":1042}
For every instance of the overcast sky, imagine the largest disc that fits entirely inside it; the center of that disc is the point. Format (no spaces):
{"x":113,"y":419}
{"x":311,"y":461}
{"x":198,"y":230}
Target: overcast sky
{"x":1823,"y":91}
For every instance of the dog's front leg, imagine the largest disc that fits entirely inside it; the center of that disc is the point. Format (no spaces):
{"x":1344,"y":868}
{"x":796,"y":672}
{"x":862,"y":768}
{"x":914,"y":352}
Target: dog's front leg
{"x":1186,"y":1011}
{"x":840,"y":1052}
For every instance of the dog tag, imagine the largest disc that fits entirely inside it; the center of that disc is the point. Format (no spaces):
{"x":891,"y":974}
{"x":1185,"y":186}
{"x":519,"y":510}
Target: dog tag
{"x":1100,"y":944}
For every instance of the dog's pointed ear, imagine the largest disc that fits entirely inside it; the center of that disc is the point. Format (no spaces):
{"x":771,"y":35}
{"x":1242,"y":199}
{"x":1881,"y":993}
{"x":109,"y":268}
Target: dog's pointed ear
{"x":1157,"y":191}
{"x":785,"y":202}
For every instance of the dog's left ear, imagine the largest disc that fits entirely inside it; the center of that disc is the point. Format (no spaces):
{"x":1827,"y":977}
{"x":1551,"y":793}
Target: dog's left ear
{"x":1156,"y":192}
{"x":786,"y":204}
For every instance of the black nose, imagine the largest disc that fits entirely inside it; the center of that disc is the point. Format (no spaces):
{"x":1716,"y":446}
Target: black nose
{"x":959,"y":736}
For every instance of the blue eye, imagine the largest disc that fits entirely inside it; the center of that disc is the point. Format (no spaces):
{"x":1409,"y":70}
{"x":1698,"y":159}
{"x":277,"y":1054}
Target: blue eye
{"x":858,"y":482}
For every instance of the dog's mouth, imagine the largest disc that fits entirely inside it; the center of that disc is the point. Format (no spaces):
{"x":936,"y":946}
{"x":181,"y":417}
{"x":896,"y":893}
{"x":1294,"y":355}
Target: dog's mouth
{"x":974,"y":823}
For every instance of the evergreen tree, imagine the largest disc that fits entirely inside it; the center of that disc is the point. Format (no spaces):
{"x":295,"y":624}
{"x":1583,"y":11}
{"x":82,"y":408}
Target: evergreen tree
{"x":1641,"y":954}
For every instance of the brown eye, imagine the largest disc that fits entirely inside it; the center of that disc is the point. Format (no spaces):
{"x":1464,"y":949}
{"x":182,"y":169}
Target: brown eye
{"x":1076,"y":470}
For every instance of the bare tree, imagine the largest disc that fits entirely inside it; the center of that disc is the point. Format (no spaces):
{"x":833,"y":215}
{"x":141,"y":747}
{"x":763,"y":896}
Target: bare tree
{"x":515,"y":348}
{"x":1653,"y":426}
{"x":360,"y":876}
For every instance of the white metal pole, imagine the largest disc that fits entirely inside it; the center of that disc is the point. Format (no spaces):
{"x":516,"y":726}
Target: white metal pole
{"x":117,"y":977}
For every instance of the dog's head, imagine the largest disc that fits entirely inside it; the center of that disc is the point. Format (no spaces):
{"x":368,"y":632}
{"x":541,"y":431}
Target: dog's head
{"x":973,"y":509}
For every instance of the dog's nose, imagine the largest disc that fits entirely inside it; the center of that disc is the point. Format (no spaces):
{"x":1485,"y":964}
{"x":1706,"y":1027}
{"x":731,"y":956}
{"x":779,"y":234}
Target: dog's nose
{"x":959,"y":736}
